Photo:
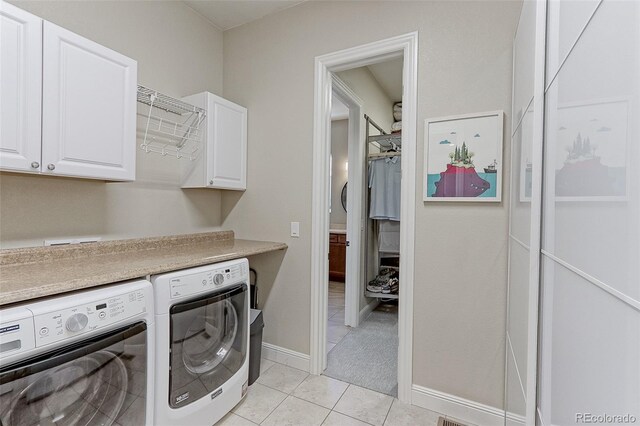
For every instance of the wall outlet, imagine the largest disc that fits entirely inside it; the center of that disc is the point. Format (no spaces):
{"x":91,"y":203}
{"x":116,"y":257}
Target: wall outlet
{"x":295,"y":229}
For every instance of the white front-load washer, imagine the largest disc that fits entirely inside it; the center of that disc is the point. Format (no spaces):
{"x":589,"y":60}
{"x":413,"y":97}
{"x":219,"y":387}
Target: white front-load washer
{"x":83,"y":359}
{"x":202,"y":342}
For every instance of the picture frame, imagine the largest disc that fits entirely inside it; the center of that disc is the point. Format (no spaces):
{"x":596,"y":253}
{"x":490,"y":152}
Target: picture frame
{"x":463,"y":158}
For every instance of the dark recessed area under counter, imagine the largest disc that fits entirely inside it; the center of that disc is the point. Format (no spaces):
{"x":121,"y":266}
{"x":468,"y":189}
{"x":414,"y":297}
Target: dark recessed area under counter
{"x":31,"y":273}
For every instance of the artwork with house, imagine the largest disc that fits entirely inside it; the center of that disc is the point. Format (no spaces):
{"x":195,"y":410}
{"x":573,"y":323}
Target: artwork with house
{"x":463,"y":158}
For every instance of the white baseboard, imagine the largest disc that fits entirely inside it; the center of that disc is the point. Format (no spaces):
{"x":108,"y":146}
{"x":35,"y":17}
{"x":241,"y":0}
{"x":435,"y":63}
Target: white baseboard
{"x":514,"y":419}
{"x":368,"y":309}
{"x":456,"y":407}
{"x":285,"y":356}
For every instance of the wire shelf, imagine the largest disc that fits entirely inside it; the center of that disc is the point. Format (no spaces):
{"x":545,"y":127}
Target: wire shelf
{"x":171,"y":127}
{"x":387,"y":140}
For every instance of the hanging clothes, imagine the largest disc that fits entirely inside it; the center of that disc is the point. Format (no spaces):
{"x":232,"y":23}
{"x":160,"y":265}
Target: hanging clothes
{"x":384,"y":181}
{"x":389,"y":236}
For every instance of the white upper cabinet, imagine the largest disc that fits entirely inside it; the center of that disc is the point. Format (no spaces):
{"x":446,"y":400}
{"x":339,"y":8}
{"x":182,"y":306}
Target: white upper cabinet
{"x":20,"y":89}
{"x":223,"y":161}
{"x":68,"y":105}
{"x":88,"y":108}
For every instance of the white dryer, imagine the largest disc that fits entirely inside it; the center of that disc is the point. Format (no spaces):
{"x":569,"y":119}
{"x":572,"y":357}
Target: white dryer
{"x":202,"y":342}
{"x":81,"y":359}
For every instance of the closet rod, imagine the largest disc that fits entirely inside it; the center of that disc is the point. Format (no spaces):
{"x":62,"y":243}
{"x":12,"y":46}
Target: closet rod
{"x":385,"y":154}
{"x":373,"y":123}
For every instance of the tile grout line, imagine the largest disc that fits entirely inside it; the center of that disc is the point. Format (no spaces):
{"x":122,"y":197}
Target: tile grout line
{"x":351,"y":417}
{"x":266,"y":369}
{"x":290,"y":394}
{"x":388,"y":411}
{"x":347,"y":415}
{"x":318,"y":405}
{"x":300,"y":384}
{"x":303,"y":400}
{"x":342,"y":394}
{"x":280,"y":390}
{"x":232,"y":412}
{"x":275,"y":408}
{"x":325,"y":417}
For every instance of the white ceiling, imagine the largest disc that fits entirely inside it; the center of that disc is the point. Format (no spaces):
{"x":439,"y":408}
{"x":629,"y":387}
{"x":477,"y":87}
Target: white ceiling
{"x":226,"y":14}
{"x":389,"y":76}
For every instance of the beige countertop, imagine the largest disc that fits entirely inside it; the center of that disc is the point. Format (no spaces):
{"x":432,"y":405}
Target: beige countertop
{"x":32,"y":273}
{"x":338,"y":231}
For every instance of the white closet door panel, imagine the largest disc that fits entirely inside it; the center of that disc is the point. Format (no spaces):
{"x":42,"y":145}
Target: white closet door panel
{"x":565,"y":21}
{"x":89,"y":108}
{"x":523,"y":63}
{"x":20,"y":89}
{"x":228,"y":156}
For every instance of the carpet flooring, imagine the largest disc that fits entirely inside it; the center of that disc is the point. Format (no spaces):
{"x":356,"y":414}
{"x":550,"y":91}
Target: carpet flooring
{"x":368,"y":355}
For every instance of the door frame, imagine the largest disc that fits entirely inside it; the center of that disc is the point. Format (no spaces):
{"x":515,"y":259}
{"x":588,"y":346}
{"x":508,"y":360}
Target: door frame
{"x":356,"y":150}
{"x":405,"y":46}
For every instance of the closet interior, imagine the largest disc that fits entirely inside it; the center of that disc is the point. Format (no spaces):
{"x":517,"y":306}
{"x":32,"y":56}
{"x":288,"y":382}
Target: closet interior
{"x":382,"y":232}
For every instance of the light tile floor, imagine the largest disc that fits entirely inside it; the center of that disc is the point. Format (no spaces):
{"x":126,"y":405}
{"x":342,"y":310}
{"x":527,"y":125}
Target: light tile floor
{"x":285,"y":396}
{"x":336,"y":330}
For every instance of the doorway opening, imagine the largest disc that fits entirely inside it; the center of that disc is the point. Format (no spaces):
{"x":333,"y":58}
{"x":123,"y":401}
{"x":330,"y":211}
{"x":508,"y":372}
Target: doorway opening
{"x":333,"y":328}
{"x":362,"y":333}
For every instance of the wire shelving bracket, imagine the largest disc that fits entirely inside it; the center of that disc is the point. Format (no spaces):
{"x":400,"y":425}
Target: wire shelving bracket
{"x":171,"y":127}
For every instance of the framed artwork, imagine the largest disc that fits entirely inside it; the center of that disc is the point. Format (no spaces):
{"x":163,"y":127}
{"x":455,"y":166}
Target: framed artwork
{"x":588,"y":148}
{"x":463,"y":158}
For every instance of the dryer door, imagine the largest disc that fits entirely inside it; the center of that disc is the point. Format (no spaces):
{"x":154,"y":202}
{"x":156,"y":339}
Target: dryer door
{"x":98,"y":381}
{"x":208,"y":343}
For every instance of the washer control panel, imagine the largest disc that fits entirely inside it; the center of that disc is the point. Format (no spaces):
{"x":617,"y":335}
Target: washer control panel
{"x":59,"y":325}
{"x":199,"y":282}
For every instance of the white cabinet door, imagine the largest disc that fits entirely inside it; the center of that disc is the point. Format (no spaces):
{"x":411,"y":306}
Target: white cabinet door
{"x":227,"y":144}
{"x":88,"y":108}
{"x":20,"y":89}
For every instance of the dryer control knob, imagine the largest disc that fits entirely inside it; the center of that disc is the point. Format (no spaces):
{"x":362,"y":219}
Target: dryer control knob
{"x":76,"y":322}
{"x":218,"y":279}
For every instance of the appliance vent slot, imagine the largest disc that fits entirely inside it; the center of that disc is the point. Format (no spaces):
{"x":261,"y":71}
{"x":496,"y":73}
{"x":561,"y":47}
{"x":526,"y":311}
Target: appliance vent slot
{"x":447,"y":422}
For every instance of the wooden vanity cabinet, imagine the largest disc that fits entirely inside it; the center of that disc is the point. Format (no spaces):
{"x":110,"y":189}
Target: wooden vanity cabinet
{"x":337,"y":256}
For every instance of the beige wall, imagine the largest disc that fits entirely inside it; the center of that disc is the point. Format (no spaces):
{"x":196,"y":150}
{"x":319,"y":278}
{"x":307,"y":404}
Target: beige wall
{"x":376,"y":103}
{"x":179,"y":53}
{"x":339,"y":156}
{"x":464,"y":66}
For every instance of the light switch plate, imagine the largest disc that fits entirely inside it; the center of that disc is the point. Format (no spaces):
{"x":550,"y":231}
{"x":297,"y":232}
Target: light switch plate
{"x":295,"y":229}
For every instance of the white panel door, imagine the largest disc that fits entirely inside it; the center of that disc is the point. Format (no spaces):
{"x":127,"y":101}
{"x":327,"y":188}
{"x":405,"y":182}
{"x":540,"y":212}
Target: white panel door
{"x":20,"y":89}
{"x":227,"y":155}
{"x":89,"y":108}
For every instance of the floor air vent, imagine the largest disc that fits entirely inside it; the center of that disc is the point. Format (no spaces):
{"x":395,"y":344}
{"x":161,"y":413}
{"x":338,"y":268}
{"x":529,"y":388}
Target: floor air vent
{"x":446,"y":422}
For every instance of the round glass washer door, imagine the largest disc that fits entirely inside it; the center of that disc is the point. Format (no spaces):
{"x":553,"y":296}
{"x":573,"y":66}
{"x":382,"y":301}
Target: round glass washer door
{"x":210,"y":337}
{"x":71,"y":393}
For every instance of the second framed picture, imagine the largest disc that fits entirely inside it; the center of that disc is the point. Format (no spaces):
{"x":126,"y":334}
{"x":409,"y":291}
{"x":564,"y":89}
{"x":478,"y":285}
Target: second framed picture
{"x":463,"y":158}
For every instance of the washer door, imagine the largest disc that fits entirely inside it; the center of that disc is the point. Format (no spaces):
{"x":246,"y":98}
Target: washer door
{"x":209,"y":338}
{"x":208,"y":343}
{"x":93,"y":382}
